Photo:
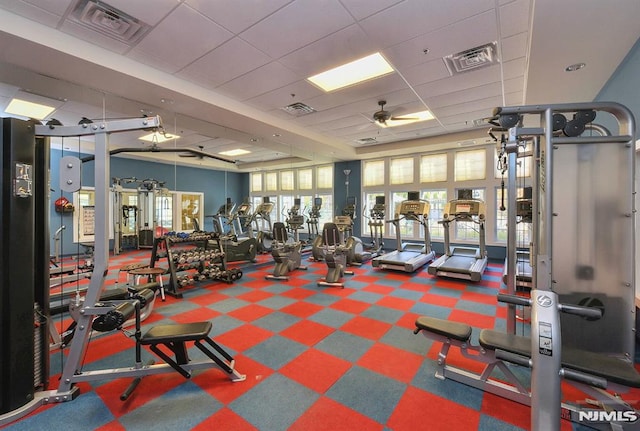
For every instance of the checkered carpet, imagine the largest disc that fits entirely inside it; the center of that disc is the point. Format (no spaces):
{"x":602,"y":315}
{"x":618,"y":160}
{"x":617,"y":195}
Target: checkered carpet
{"x":316,"y":358}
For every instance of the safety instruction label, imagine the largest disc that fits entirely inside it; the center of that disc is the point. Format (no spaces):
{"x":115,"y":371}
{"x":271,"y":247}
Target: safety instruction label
{"x":545,"y":339}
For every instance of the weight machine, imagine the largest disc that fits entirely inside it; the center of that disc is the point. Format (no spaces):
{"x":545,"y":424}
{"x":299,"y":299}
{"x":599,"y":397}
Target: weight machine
{"x":264,"y":228}
{"x":582,"y":252}
{"x":335,"y":252}
{"x":25,"y":353}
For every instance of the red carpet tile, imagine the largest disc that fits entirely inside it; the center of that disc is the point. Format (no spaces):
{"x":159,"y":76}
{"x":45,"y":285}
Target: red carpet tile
{"x":442,"y":301}
{"x":506,"y":410}
{"x":307,"y":332}
{"x":316,"y":370}
{"x":224,"y":420}
{"x":396,"y":303}
{"x":366,"y":327}
{"x":326,"y":415}
{"x":243,"y":337}
{"x":350,"y":306}
{"x":301,"y":309}
{"x":250,"y":312}
{"x":392,"y":362}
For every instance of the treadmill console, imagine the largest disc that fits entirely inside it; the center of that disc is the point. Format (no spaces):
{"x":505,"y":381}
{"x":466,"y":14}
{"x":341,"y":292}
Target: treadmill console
{"x":264,"y":208}
{"x":343,"y":221}
{"x":414,"y":208}
{"x":465,"y":208}
{"x":243,"y":209}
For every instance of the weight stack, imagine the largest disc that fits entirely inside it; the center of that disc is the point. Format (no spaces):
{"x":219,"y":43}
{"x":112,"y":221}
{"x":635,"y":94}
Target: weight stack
{"x":17,"y":264}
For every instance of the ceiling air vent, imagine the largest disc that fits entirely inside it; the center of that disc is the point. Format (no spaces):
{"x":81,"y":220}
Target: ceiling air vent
{"x":298,"y":109}
{"x":365,"y":141}
{"x":472,"y":59}
{"x":108,"y":21}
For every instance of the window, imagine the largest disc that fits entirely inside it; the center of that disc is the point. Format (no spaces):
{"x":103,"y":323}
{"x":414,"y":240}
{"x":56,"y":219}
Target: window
{"x":523,"y":167}
{"x":373,"y":173}
{"x":164,"y":211}
{"x":466,"y":230}
{"x":369,"y":202}
{"x":256,"y":182}
{"x":523,"y":229}
{"x":271,"y":179}
{"x":401,"y":171}
{"x":406,"y":227}
{"x":305,"y":179}
{"x":286,"y":180}
{"x":326,"y":212}
{"x":324,"y":177}
{"x":437,"y":200}
{"x":433,"y":168}
{"x":470,"y":165}
{"x":285,"y":204}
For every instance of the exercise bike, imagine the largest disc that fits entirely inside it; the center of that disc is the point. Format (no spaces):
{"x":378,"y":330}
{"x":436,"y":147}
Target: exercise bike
{"x":335,"y":252}
{"x":286,"y":254}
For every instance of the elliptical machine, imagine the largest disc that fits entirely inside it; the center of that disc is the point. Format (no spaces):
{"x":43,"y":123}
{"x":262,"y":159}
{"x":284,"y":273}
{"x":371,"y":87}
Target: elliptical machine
{"x":235,"y":248}
{"x":262,"y":219}
{"x":356,"y":252}
{"x":286,"y":254}
{"x":315,"y":239}
{"x":335,"y":252}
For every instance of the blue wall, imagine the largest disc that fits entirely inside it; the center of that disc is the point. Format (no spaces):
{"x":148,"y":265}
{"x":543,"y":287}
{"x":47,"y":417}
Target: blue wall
{"x":216,"y":186}
{"x":624,"y":86}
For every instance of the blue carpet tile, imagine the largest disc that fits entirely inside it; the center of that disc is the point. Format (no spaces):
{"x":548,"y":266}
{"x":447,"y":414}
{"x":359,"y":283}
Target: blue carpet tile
{"x":316,"y":358}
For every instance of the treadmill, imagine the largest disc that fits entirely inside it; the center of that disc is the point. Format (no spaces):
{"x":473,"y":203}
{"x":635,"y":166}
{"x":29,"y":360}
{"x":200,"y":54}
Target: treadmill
{"x":467,"y":263}
{"x":524,"y":214}
{"x":408,"y":257}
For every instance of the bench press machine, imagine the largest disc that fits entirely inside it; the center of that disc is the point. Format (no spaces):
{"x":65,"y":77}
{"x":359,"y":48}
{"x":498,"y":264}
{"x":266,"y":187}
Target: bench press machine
{"x":603,"y":378}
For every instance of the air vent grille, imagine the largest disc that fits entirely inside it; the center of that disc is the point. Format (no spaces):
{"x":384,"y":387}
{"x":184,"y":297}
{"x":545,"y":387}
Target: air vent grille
{"x":108,"y":21}
{"x":365,"y":141}
{"x":472,"y":59}
{"x":298,"y":109}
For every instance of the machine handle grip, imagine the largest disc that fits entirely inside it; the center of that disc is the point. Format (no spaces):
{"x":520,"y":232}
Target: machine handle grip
{"x":513,"y":358}
{"x":589,"y":312}
{"x":514,"y":299}
{"x":581,"y":377}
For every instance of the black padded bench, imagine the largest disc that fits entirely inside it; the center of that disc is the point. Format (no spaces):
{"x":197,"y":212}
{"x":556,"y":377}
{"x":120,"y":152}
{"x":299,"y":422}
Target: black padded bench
{"x":175,"y":337}
{"x":601,"y":377}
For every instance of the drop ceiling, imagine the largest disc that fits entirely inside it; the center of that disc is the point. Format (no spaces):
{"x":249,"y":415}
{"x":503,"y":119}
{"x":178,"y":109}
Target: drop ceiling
{"x":220,"y":73}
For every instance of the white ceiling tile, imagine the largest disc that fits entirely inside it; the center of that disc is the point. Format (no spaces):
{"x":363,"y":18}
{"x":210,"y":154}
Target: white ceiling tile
{"x":296,"y":25}
{"x":230,"y":60}
{"x":514,"y":46}
{"x":32,"y":12}
{"x":363,"y":8}
{"x":457,"y":37}
{"x":460,"y":82}
{"x":514,"y":68}
{"x":148,"y":11}
{"x":299,"y":91}
{"x":414,"y":16}
{"x":425,"y":72}
{"x":237,"y":17}
{"x":334,"y":50}
{"x":259,"y":81}
{"x":182,"y":38}
{"x":476,"y":105}
{"x":514,"y":17}
{"x":459,"y":97}
{"x":57,"y":7}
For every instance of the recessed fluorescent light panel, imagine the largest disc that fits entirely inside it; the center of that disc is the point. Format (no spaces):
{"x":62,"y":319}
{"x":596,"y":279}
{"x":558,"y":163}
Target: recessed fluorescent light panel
{"x":31,"y":105}
{"x":28,"y":109}
{"x":236,"y":152}
{"x":369,"y":67}
{"x":409,"y":118}
{"x":158,"y":137}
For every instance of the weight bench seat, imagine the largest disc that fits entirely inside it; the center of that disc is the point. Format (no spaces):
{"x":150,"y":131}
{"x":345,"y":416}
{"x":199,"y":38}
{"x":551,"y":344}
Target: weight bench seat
{"x":611,"y":368}
{"x":174,"y":337}
{"x":446,"y":328}
{"x":179,"y":332}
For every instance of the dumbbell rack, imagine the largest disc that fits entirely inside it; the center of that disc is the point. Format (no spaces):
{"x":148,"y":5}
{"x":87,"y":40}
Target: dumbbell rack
{"x":186,"y":253}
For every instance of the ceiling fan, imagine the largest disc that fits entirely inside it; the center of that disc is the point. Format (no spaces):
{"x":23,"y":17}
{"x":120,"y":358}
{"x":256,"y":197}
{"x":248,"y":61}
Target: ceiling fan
{"x":194,"y":153}
{"x":383,"y":116}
